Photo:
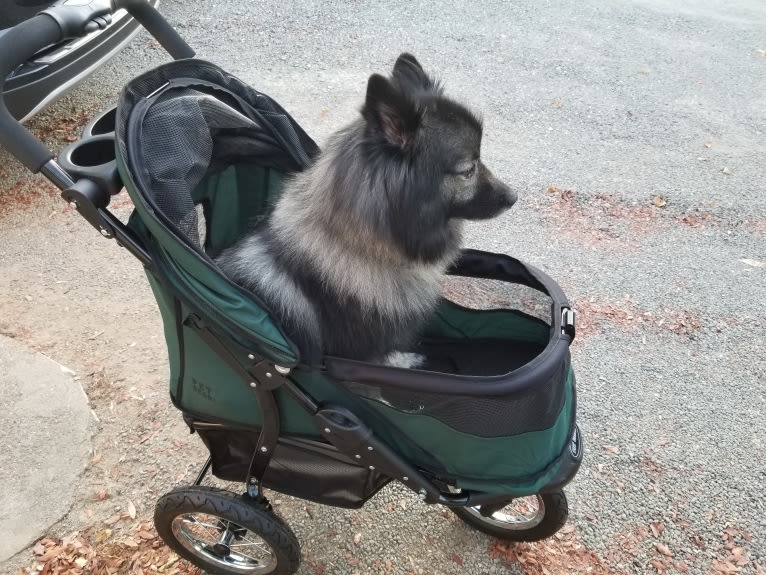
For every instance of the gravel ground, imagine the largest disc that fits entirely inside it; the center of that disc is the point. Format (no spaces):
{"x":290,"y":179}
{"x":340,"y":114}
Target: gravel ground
{"x":635,"y":130}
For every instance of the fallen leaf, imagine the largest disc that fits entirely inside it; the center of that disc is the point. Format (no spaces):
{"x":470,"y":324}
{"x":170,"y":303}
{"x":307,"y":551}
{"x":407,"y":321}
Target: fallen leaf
{"x":612,"y":449}
{"x":113,"y":519}
{"x":38,"y":549}
{"x":456,"y":558}
{"x":663,"y":441}
{"x":659,"y":201}
{"x":389,"y":565}
{"x":664,"y":549}
{"x":559,"y":104}
{"x":145,"y":535}
{"x":131,"y":509}
{"x":552,"y":190}
{"x":96,"y":459}
{"x":568,"y":528}
{"x":81,"y":562}
{"x":657,"y":528}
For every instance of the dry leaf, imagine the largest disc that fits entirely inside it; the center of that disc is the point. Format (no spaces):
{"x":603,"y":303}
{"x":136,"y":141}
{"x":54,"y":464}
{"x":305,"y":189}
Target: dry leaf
{"x":81,"y":562}
{"x":456,"y":558}
{"x":664,"y":549}
{"x":96,"y":459}
{"x":659,"y":201}
{"x":663,"y":441}
{"x":113,"y":519}
{"x":552,"y":190}
{"x":389,"y":565}
{"x":38,"y":549}
{"x":131,"y":509}
{"x":559,"y":104}
{"x":612,"y":449}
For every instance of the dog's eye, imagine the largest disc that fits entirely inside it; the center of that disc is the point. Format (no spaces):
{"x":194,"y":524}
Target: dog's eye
{"x":467,"y":174}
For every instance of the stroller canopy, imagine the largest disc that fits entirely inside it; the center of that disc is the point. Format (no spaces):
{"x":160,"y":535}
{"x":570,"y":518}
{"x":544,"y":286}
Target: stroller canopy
{"x":189,"y":137}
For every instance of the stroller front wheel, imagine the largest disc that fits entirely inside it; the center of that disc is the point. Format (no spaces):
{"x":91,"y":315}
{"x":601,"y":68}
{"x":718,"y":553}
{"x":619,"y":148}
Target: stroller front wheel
{"x":224,"y":534}
{"x":522,"y":519}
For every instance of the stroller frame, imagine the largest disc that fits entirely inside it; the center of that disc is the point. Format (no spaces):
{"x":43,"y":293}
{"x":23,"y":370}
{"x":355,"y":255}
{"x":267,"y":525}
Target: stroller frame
{"x":88,"y":189}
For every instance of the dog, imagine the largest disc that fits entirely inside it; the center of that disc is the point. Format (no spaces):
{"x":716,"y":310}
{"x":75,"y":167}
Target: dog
{"x":352,"y":257}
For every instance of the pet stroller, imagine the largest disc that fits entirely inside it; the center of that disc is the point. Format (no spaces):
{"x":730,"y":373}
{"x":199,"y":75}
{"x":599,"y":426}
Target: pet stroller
{"x":202,"y":156}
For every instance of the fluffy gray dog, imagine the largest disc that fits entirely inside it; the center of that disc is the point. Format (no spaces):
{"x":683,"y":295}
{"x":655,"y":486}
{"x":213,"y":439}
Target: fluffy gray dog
{"x":352,"y":257}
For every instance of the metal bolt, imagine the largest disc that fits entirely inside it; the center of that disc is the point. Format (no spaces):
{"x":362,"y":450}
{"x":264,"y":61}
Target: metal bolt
{"x":358,"y":456}
{"x":73,"y":205}
{"x":253,"y":480}
{"x":422,"y":494}
{"x":369,"y":448}
{"x":282,"y":370}
{"x":104,"y":233}
{"x":268,"y":374}
{"x":405,"y":478}
{"x":250,"y":356}
{"x":253,"y":384}
{"x":264,"y":449}
{"x":327,"y":430}
{"x":372,"y":467}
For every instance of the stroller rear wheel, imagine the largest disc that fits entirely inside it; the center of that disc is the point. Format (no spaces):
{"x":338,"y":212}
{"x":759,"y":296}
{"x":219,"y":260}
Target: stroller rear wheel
{"x":522,"y":519}
{"x":225,"y":534}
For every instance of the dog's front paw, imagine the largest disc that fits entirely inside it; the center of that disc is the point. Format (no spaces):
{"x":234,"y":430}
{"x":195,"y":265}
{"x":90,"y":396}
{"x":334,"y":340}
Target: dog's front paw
{"x":403,"y":359}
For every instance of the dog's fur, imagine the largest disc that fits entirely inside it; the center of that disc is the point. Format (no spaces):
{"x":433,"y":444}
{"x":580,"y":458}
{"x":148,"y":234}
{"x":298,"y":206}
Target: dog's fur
{"x":353,"y":254}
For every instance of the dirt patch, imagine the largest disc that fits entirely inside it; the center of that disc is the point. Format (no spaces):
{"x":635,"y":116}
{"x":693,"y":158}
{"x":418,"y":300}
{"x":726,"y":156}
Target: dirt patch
{"x":601,"y":220}
{"x":25,"y":193}
{"x":626,"y":315}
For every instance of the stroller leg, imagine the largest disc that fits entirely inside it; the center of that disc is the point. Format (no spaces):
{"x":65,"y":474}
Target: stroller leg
{"x":204,"y":471}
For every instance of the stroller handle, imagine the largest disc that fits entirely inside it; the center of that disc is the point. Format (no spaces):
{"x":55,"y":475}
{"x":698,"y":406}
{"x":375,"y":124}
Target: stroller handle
{"x":64,"y":20}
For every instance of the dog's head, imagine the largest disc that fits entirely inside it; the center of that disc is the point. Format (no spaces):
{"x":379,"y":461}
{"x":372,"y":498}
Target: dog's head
{"x":430,"y":149}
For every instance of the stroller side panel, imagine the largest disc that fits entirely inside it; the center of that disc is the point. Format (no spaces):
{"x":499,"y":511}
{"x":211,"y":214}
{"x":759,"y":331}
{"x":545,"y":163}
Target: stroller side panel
{"x":514,"y":465}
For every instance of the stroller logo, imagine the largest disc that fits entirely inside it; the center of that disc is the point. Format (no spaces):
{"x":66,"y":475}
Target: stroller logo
{"x":202,"y":389}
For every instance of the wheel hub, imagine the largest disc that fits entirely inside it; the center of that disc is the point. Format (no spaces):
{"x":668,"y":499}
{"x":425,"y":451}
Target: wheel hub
{"x":221,"y":550}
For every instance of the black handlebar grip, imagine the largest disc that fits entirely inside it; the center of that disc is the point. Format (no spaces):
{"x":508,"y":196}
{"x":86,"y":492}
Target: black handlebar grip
{"x":20,"y":43}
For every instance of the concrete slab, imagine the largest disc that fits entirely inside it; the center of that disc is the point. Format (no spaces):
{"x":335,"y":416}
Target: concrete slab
{"x":45,"y":442}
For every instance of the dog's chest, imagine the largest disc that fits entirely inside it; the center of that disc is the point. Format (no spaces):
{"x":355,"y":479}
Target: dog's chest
{"x":397,"y":291}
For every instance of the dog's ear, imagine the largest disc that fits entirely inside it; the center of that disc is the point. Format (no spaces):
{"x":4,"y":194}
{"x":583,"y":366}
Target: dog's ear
{"x":389,"y":112}
{"x":410,"y":76}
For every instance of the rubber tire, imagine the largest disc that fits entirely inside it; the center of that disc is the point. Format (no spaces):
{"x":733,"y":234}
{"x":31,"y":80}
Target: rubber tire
{"x":232,"y":507}
{"x":556,"y":513}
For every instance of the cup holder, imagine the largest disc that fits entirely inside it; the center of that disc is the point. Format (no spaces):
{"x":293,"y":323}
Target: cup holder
{"x":93,"y":158}
{"x":102,"y":124}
